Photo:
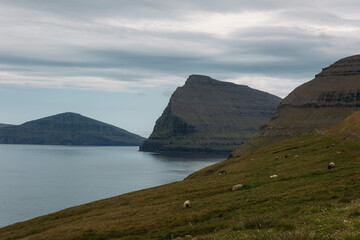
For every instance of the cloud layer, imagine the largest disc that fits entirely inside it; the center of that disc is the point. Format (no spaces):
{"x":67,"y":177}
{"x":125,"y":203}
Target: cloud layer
{"x":133,"y":46}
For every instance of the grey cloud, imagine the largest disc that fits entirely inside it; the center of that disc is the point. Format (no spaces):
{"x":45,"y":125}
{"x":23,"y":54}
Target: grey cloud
{"x":126,"y":54}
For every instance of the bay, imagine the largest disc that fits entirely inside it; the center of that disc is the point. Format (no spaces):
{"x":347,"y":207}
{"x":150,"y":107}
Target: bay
{"x":37,"y":180}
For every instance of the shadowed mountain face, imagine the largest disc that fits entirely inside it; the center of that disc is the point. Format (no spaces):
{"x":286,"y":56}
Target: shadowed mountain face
{"x":4,"y":125}
{"x":68,"y":129}
{"x":207,"y":115}
{"x":316,"y":105}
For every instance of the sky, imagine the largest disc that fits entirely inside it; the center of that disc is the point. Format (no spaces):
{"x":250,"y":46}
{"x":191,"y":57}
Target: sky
{"x":119,"y":61}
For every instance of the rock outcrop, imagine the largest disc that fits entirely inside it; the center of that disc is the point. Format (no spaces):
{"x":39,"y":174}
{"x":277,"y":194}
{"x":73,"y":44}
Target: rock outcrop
{"x":316,"y":105}
{"x":68,"y":129}
{"x":207,"y":115}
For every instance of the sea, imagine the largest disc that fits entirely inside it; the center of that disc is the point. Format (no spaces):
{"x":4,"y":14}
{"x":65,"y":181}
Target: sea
{"x":36,"y":180}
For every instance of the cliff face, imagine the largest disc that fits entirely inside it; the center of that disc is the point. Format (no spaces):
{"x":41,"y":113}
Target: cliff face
{"x":68,"y":129}
{"x":207,"y":115}
{"x":316,"y":105}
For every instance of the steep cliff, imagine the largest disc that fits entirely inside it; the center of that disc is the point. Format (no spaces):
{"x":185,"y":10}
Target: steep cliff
{"x":207,"y":115}
{"x":68,"y":129}
{"x":316,"y":105}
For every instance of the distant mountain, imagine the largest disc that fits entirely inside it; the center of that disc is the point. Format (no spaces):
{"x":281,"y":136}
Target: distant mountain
{"x":207,"y":115}
{"x":316,"y":105}
{"x":68,"y":129}
{"x":4,"y":125}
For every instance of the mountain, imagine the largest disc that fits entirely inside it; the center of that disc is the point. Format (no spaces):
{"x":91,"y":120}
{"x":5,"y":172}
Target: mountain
{"x":207,"y":115}
{"x":316,"y":105}
{"x":68,"y":129}
{"x":305,"y":201}
{"x":4,"y":125}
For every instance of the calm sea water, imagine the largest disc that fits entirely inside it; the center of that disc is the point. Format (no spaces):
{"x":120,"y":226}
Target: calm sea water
{"x":37,"y":180}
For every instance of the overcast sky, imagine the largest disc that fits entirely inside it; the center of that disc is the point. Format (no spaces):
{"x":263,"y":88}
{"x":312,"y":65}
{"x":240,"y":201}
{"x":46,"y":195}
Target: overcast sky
{"x":119,"y":60}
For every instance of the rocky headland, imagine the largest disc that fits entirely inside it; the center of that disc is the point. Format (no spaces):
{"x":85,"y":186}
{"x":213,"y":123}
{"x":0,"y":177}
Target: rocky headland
{"x":207,"y":115}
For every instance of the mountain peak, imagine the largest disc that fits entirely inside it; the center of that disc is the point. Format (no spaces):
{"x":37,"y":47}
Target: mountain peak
{"x":329,"y":98}
{"x":343,"y":67}
{"x":195,"y":79}
{"x":68,"y":129}
{"x":210,"y":116}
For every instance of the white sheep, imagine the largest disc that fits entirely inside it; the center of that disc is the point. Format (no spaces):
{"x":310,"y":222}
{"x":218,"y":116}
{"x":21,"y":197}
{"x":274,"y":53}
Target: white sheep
{"x":274,"y":176}
{"x":236,"y":187}
{"x":331,"y":165}
{"x":187,"y":204}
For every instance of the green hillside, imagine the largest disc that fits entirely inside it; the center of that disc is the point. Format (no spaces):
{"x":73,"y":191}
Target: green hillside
{"x":351,"y":125}
{"x":306,"y":201}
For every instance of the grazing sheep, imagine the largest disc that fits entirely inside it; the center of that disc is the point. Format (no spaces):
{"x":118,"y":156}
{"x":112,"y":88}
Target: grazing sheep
{"x":222,"y":172}
{"x":331,"y":165}
{"x":274,"y":176}
{"x":187,"y":204}
{"x":276,"y":157}
{"x":237,"y":186}
{"x":296,"y":156}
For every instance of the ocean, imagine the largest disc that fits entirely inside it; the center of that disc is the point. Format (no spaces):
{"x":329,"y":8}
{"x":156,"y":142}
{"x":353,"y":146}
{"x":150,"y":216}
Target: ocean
{"x":37,"y":180}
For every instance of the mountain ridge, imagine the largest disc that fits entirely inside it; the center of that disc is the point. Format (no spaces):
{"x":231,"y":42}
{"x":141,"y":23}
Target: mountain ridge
{"x":5,"y":125}
{"x":68,"y":129}
{"x":327,"y":99}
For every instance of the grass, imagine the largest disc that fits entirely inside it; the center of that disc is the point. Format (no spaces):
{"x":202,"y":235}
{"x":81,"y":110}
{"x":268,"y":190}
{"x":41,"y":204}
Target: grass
{"x":306,"y":201}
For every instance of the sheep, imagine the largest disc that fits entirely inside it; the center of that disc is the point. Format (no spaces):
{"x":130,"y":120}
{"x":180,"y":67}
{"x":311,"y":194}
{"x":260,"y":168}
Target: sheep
{"x":187,"y":204}
{"x":276,"y":157}
{"x":236,"y":187}
{"x":222,"y":172}
{"x":331,"y":165}
{"x":296,"y":156}
{"x":274,"y":176}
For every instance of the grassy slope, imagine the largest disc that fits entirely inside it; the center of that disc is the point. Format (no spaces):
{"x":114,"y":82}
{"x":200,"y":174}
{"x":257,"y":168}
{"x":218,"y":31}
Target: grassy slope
{"x":351,"y":125}
{"x":306,"y":201}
